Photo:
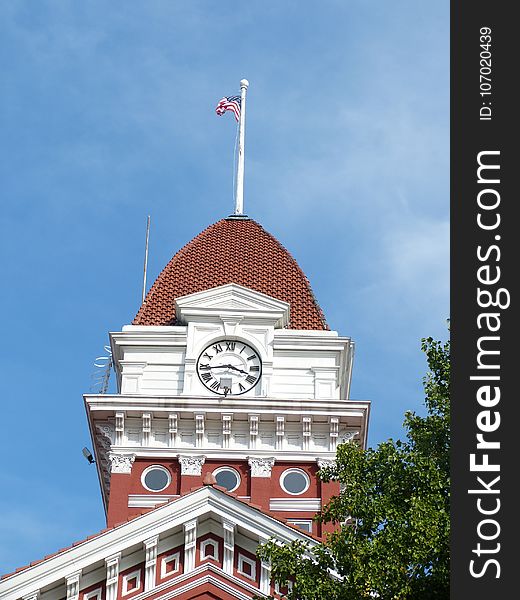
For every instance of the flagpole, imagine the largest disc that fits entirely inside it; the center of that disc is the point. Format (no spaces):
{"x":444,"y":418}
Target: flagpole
{"x":239,"y":194}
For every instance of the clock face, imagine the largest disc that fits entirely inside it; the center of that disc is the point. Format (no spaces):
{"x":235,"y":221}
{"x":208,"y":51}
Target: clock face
{"x":229,"y":367}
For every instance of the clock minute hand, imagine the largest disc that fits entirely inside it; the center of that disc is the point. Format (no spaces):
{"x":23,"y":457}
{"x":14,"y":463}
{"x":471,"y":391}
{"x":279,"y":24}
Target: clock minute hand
{"x":229,"y":367}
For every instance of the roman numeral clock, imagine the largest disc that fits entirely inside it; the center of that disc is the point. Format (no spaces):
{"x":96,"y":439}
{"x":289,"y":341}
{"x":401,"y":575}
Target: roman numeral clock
{"x":229,"y":367}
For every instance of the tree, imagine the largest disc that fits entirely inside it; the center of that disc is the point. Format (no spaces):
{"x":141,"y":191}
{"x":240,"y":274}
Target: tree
{"x":392,"y":540}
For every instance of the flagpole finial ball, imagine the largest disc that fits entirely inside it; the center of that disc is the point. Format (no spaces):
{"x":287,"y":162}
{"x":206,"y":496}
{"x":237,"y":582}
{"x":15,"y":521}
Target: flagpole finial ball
{"x":244,"y":83}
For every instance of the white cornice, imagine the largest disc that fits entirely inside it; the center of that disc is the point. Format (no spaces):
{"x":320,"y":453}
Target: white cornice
{"x":238,"y":454}
{"x":245,"y":405}
{"x":135,"y":532}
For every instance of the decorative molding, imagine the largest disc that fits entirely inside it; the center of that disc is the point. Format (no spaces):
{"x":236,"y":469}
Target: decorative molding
{"x":104,"y":438}
{"x":204,"y":544}
{"x":199,"y":430}
{"x":229,"y":546}
{"x":227,"y":419}
{"x":230,"y":324}
{"x":307,"y":431}
{"x":148,"y":500}
{"x":295,"y":504}
{"x":190,"y":545}
{"x":32,"y":596}
{"x":347,"y":436}
{"x":94,"y":594}
{"x":106,"y":430}
{"x":147,"y":428}
{"x":112,"y":578}
{"x":166,"y":560}
{"x":205,"y":502}
{"x":251,"y":563}
{"x":232,"y":303}
{"x":253,"y":429}
{"x":261,"y":467}
{"x":325,"y":462}
{"x":121,"y":463}
{"x":72,"y":585}
{"x":150,"y":565}
{"x":119,"y":428}
{"x":333,"y":433}
{"x":128,"y":577}
{"x":191,"y":465}
{"x":280,"y":431}
{"x":173,"y":429}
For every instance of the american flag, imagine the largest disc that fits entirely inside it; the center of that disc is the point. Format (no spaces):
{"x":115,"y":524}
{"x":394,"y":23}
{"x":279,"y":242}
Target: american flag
{"x":231,"y":103}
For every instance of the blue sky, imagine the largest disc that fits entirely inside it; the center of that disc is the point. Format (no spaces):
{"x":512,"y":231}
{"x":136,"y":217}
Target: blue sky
{"x":107,"y":115}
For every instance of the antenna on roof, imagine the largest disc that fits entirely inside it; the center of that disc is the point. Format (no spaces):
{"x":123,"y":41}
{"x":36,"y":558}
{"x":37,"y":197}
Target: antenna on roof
{"x":101,"y":374}
{"x":146,"y":258}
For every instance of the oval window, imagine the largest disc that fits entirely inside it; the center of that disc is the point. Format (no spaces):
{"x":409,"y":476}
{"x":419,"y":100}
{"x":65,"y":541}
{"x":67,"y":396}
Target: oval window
{"x":227,"y":478}
{"x":156,"y":478}
{"x":294,"y":481}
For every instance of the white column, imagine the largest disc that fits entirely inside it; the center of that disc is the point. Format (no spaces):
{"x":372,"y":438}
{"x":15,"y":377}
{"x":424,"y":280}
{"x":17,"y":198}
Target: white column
{"x":190,"y":545}
{"x":229,"y":546}
{"x":72,"y":584}
{"x":150,"y":565}
{"x":112,"y":564}
{"x":239,"y":199}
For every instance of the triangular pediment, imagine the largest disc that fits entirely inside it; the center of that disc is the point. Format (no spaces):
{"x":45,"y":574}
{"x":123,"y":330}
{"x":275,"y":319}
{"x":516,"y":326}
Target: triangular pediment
{"x":128,"y":539}
{"x":232,"y":300}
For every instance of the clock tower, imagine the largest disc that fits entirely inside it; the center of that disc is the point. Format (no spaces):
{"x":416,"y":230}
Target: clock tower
{"x":232,"y":393}
{"x":230,"y":371}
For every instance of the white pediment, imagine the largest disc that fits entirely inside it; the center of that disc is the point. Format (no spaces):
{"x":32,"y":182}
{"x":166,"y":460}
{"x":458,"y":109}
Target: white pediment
{"x":128,"y":539}
{"x":232,"y":300}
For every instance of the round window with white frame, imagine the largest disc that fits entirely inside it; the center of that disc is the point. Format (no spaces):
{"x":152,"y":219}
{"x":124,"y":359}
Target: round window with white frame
{"x":227,"y":478}
{"x":156,"y":478}
{"x":295,"y":481}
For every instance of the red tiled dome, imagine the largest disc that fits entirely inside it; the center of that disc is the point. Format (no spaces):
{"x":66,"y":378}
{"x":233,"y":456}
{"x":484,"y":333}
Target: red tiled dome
{"x":233,"y":251}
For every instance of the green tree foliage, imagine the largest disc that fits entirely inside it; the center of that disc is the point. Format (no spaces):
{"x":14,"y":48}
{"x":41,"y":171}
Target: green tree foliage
{"x":392,"y":541}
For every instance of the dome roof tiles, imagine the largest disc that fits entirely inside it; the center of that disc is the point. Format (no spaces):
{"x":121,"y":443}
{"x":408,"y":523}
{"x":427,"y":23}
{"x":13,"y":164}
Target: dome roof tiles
{"x":233,"y":250}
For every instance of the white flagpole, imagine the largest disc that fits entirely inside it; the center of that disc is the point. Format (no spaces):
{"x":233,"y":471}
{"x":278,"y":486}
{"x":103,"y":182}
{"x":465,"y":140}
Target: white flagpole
{"x":239,"y":196}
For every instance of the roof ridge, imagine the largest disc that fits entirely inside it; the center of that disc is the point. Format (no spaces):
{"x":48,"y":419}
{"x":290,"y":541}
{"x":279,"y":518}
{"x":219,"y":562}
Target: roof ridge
{"x":146,"y":511}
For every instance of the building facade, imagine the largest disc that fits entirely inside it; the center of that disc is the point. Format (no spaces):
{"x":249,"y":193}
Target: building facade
{"x":232,"y":392}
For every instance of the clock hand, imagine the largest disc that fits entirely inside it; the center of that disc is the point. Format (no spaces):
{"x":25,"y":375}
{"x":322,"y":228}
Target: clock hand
{"x":237,"y":369}
{"x":229,"y":367}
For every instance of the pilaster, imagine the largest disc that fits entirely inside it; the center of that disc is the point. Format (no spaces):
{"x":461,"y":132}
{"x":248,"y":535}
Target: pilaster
{"x":229,"y":546}
{"x":190,"y":545}
{"x":112,"y":566}
{"x":72,"y":585}
{"x":150,"y":565}
{"x":260,"y":470}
